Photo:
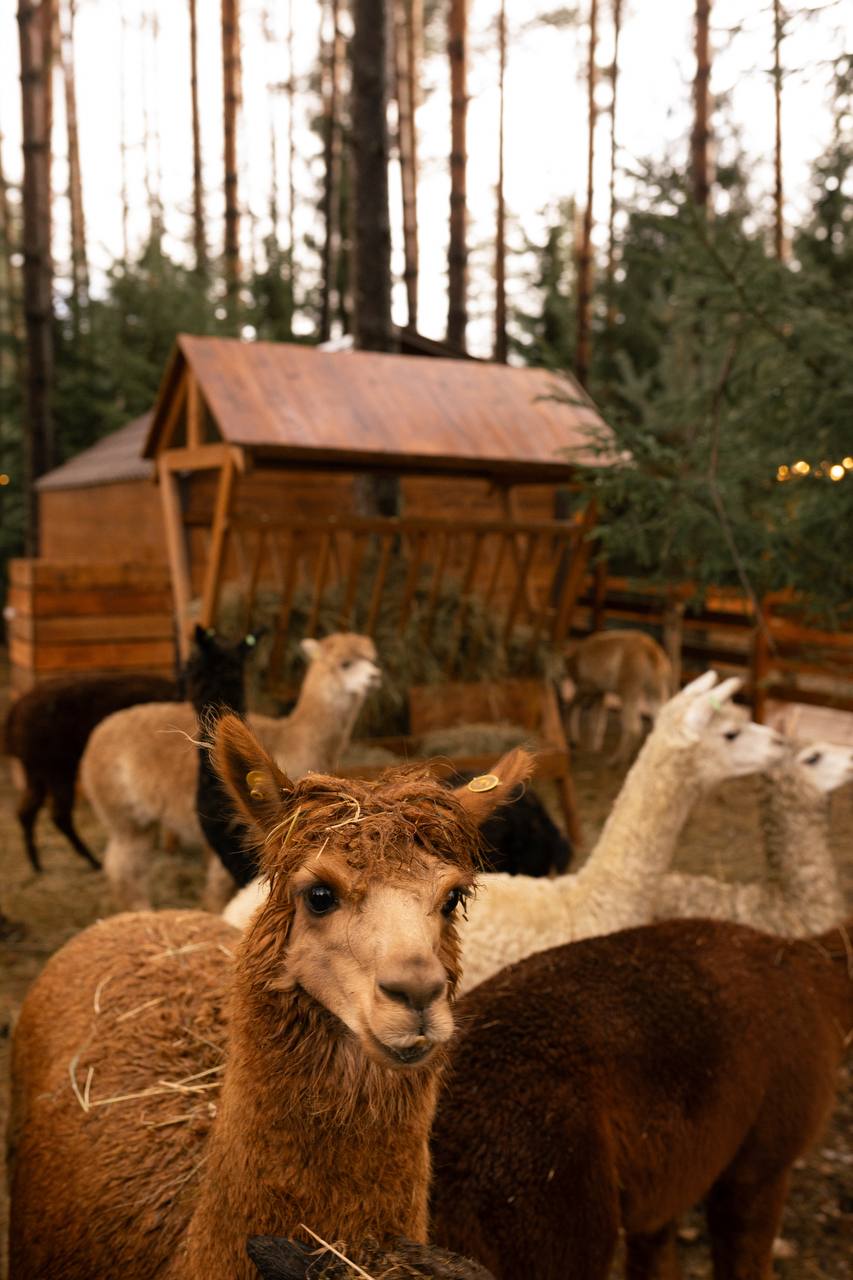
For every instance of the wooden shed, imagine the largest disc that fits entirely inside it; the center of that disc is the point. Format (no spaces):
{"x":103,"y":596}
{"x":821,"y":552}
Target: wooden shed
{"x":256,"y":446}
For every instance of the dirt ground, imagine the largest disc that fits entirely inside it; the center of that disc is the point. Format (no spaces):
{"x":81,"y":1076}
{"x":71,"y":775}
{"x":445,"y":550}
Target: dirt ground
{"x":721,"y":838}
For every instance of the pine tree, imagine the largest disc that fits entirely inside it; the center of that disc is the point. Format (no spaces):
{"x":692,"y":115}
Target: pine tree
{"x":457,"y":256}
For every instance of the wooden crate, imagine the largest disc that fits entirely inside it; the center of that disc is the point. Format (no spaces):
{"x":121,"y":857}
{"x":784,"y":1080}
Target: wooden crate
{"x":529,"y":703}
{"x":68,"y":617}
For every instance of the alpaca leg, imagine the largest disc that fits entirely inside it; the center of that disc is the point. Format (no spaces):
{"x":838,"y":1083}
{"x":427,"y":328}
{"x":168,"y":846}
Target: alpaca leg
{"x":28,"y":807}
{"x":632,"y":726}
{"x":126,"y":860}
{"x":654,"y":1256}
{"x":220,"y":885}
{"x":743,"y":1220}
{"x":62,"y":805}
{"x":598,"y":716}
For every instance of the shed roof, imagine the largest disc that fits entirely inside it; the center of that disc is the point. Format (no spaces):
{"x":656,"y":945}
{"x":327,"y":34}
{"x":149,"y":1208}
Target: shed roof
{"x":294,"y":404}
{"x":116,"y":457}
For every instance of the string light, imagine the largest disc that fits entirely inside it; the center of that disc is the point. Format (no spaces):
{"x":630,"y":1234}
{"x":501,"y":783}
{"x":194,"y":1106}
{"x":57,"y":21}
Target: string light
{"x":822,"y":470}
{"x":4,"y":479}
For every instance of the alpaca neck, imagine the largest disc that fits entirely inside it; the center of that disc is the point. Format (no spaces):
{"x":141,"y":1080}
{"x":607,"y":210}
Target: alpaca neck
{"x":638,"y":840}
{"x":795,"y":824}
{"x":307,"y":1131}
{"x":325,"y":715}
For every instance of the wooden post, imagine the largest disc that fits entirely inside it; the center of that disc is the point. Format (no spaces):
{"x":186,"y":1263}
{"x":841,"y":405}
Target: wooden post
{"x":177,"y":551}
{"x":218,"y":538}
{"x":574,"y":577}
{"x":194,"y":411}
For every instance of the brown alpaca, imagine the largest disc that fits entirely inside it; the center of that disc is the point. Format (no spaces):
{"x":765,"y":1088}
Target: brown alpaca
{"x":325,"y":1026}
{"x":618,"y":1081}
{"x":629,"y":664}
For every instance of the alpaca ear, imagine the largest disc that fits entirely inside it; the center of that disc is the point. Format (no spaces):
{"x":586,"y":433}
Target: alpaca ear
{"x":310,"y":648}
{"x":481,"y":796}
{"x":249,"y":774}
{"x":204,"y":636}
{"x":277,"y":1258}
{"x":707,"y":703}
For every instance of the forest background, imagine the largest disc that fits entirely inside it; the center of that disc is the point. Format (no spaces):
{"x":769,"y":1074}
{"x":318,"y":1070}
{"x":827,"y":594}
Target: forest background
{"x":693,"y":269}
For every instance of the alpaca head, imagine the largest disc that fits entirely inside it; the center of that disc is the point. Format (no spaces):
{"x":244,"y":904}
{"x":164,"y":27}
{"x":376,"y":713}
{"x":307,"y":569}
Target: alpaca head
{"x":821,"y":766}
{"x":366,"y":880}
{"x":721,"y":739}
{"x":215,"y":669}
{"x":344,"y":665}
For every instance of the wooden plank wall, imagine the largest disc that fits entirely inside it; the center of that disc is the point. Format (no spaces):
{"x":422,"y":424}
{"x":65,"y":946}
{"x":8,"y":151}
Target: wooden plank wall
{"x":65,"y":617}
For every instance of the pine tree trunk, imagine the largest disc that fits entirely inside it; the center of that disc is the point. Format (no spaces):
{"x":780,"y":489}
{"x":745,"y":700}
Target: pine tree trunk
{"x":372,"y":291}
{"x":151,"y":130}
{"x":79,"y":261}
{"x":291,"y":147}
{"x":404,"y":72}
{"x":500,"y":350}
{"x":122,"y":76}
{"x":199,"y":229}
{"x":699,"y":159}
{"x":778,"y":189}
{"x":457,"y":257}
{"x":584,"y":301}
{"x":231,"y":103}
{"x":35,"y":24}
{"x":611,"y":221}
{"x":12,"y":364}
{"x":332,"y":58}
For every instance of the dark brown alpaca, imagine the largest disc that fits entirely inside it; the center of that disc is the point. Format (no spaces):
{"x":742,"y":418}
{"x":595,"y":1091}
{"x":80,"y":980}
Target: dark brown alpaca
{"x":325,"y":1026}
{"x":619,"y":1081}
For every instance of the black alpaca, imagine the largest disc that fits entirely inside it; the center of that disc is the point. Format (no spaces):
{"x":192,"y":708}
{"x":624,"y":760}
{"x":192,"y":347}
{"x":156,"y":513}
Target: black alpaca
{"x":216,"y":683}
{"x":47,"y":729}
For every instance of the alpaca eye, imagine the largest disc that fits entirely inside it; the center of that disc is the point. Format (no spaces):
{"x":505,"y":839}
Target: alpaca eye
{"x":813,"y":758}
{"x":320,"y":899}
{"x":731,"y":734}
{"x":452,"y":901}
{"x":349,"y":662}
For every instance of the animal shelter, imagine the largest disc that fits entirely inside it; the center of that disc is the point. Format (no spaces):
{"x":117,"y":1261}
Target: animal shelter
{"x":256,"y":449}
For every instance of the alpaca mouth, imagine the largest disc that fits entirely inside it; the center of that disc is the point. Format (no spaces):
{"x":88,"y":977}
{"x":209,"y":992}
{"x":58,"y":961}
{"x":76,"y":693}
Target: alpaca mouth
{"x":410,"y":1056}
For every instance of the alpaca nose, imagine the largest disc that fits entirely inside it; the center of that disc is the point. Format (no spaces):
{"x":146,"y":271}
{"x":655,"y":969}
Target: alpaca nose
{"x":416,"y":993}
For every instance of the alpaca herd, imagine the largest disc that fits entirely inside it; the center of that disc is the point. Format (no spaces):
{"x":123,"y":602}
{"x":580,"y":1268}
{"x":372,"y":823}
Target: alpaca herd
{"x":381,"y":1060}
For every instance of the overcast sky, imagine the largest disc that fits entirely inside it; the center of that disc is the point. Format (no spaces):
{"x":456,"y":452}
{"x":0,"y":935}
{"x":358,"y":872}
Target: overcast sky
{"x":546,"y":114}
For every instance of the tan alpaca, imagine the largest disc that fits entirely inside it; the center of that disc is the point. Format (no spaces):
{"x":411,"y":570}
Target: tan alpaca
{"x":326,"y":1028}
{"x":140,"y":767}
{"x":801,"y":894}
{"x":629,"y":664}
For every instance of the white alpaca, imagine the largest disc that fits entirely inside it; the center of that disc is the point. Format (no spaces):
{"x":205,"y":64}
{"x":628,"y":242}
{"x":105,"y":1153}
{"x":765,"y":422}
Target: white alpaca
{"x":140,"y":767}
{"x":699,"y":739}
{"x":801,"y":894}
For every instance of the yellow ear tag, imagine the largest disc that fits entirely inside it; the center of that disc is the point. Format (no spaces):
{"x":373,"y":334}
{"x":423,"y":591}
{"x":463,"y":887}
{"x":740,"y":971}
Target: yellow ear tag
{"x":485,"y":782}
{"x":254,"y":778}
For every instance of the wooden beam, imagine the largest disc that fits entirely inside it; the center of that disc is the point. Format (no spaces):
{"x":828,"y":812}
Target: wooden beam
{"x":178,"y":559}
{"x":204,"y":457}
{"x":195,"y":410}
{"x":173,"y":416}
{"x":218,"y":539}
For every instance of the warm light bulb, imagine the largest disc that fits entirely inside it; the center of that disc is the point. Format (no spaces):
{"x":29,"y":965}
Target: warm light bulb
{"x":4,"y":479}
{"x":837,"y":471}
{"x":801,"y":467}
{"x":783,"y":473}
{"x":847,"y":464}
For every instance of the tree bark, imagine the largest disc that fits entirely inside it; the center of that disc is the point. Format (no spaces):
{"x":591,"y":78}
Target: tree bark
{"x":500,"y":349}
{"x":372,"y":293}
{"x":778,"y":189}
{"x":405,"y":70}
{"x":457,"y":257}
{"x":611,"y":220}
{"x":231,"y":104}
{"x":699,"y":159}
{"x":291,"y":145}
{"x":584,"y":256}
{"x":122,"y":76}
{"x":332,"y":59}
{"x":79,"y":261}
{"x":199,"y":228}
{"x":35,"y":24}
